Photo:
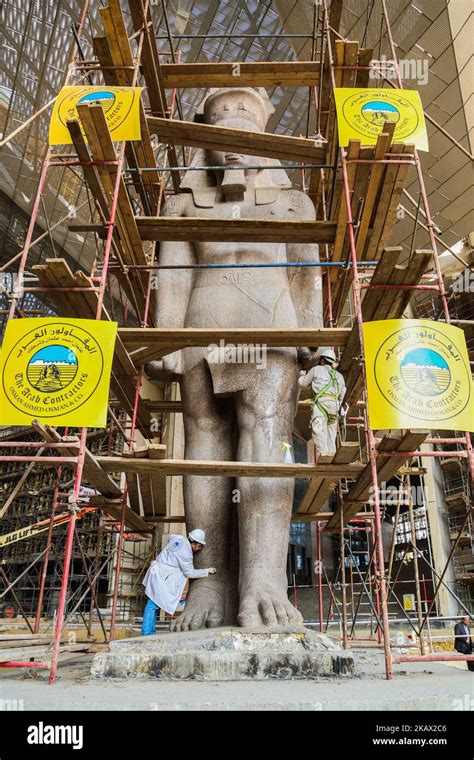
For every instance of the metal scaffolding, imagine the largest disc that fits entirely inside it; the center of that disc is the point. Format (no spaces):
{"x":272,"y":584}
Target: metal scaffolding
{"x":125,"y":186}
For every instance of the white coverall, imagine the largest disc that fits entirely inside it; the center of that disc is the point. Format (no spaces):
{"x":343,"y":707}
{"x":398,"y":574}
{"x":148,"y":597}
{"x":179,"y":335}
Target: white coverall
{"x":329,"y":389}
{"x":166,"y":577}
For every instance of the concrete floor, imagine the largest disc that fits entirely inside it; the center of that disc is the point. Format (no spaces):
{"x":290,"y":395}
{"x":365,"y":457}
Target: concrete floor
{"x":415,"y":686}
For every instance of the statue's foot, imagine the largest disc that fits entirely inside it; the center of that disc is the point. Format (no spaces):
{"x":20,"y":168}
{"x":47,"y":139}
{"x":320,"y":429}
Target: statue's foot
{"x":264,"y":601}
{"x":205,"y":607}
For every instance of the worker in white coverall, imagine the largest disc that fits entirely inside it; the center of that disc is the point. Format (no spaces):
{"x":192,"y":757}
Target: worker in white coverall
{"x":329,"y":389}
{"x":167,"y":575}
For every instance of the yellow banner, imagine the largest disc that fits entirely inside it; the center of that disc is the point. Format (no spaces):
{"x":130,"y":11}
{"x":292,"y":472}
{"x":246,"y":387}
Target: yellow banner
{"x":121,"y":107}
{"x":418,"y":375}
{"x":56,"y":371}
{"x":362,"y":113}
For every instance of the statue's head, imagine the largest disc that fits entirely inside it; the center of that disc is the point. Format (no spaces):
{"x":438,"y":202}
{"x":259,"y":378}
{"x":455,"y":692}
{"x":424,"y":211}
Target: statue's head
{"x":237,"y":108}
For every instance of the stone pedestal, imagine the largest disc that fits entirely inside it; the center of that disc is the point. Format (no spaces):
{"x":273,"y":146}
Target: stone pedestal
{"x":225,"y":654}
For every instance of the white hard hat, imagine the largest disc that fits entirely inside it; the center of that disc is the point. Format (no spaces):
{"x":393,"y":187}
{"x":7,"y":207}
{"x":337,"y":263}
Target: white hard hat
{"x":198,"y":535}
{"x":327,"y":353}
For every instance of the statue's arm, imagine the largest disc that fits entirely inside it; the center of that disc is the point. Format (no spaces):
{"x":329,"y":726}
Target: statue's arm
{"x":173,"y":289}
{"x":174,"y":286}
{"x":305,"y":282}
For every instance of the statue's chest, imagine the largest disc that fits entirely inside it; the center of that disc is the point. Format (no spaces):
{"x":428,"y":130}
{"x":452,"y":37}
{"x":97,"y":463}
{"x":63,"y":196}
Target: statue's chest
{"x":246,"y":209}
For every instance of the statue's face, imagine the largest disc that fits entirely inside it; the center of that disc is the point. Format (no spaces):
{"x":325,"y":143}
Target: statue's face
{"x":220,"y":158}
{"x":236,"y":111}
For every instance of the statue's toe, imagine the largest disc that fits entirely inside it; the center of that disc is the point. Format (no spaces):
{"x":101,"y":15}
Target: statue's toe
{"x":215,"y":618}
{"x":281,"y":613}
{"x":249,"y":618}
{"x":267,"y":612}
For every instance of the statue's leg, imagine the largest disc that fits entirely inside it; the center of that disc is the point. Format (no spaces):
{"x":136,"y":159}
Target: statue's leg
{"x":208,"y":500}
{"x":265,"y":415}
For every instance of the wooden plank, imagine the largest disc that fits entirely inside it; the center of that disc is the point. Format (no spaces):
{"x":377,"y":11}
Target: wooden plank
{"x":158,"y":481}
{"x":382,"y":274}
{"x":313,"y":487}
{"x":364,"y":59}
{"x":382,"y":304}
{"x":347,"y":451}
{"x":236,"y":140}
{"x":351,"y":55}
{"x":133,"y":492}
{"x":360,"y":492}
{"x":157,"y":342}
{"x":151,"y":70}
{"x":140,"y":153}
{"x":377,"y":170}
{"x":392,"y":188}
{"x":150,"y":62}
{"x":38,"y":653}
{"x":358,"y":190}
{"x":295,"y":517}
{"x":176,"y":407}
{"x":234,"y":230}
{"x":254,"y":74}
{"x":102,"y":149}
{"x":92,"y":471}
{"x":228,"y":469}
{"x":390,"y":442}
{"x":92,"y":119}
{"x":341,"y":231}
{"x":415,"y":269}
{"x":55,"y":273}
{"x":113,"y":509}
{"x":164,"y":406}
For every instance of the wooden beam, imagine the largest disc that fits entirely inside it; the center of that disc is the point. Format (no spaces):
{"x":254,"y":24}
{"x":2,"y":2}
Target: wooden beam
{"x":234,"y":230}
{"x":56,"y":272}
{"x":176,"y":407}
{"x":315,"y":498}
{"x":255,"y":74}
{"x":92,"y":472}
{"x":156,"y":342}
{"x":233,"y":140}
{"x":227,"y":469}
{"x":296,"y":517}
{"x":313,"y":487}
{"x":113,"y":509}
{"x":360,"y":492}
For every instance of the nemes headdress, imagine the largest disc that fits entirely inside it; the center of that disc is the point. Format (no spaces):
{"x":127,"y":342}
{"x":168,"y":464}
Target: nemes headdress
{"x":215,"y":109}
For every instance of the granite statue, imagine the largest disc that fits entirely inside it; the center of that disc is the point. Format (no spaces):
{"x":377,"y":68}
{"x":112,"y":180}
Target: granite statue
{"x":239,"y":402}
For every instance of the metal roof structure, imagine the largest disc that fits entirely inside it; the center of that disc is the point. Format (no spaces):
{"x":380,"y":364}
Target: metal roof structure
{"x":40,"y":36}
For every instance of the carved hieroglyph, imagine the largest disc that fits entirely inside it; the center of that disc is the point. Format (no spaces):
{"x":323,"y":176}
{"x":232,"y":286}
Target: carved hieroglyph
{"x":238,"y":404}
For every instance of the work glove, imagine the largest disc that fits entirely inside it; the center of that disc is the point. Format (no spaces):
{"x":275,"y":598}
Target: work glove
{"x":211,"y":570}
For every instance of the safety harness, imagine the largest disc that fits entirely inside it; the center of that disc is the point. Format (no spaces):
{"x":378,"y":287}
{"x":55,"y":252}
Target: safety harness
{"x":322,"y":392}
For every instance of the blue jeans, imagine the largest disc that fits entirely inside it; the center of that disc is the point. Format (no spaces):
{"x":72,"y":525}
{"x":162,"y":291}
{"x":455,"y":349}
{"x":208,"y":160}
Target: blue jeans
{"x":149,"y":618}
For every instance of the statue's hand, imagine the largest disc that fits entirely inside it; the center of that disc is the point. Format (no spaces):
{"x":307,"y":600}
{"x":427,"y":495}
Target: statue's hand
{"x":211,"y":570}
{"x":306,"y":357}
{"x":169,"y":368}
